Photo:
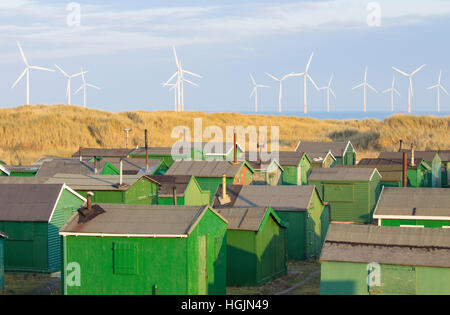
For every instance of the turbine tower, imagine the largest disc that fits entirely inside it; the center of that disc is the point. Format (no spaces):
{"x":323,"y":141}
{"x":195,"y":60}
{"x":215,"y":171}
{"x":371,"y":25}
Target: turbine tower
{"x":27,"y":72}
{"x":409,"y":76}
{"x":69,"y":77}
{"x":280,"y":93}
{"x":306,"y":76}
{"x":365,"y":85}
{"x":329,"y":90}
{"x":393,"y":91}
{"x":179,"y":74}
{"x":85,"y":85}
{"x":255,"y":91}
{"x":438,"y":87}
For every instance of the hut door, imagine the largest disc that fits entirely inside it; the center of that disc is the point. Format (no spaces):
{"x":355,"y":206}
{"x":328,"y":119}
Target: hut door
{"x":202,"y":267}
{"x":299,"y":175}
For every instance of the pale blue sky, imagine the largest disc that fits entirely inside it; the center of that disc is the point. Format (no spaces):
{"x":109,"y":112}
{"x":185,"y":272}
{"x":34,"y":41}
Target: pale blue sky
{"x":126,"y":47}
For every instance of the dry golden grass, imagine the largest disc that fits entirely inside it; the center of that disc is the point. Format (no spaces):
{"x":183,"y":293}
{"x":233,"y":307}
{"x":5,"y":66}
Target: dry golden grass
{"x":29,"y":132}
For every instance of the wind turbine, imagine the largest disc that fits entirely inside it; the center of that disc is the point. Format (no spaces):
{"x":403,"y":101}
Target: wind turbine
{"x":439,"y":87}
{"x":173,"y":86}
{"x":409,"y":76}
{"x":280,"y":94}
{"x":69,"y":77}
{"x":179,"y":74}
{"x":255,"y":91}
{"x":393,"y":91}
{"x":365,"y":85}
{"x":85,"y":85}
{"x":27,"y":72}
{"x":329,"y":90}
{"x":305,"y":77}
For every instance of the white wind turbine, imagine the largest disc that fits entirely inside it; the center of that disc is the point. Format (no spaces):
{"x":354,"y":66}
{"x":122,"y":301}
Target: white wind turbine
{"x":409,"y":76}
{"x":69,"y":78}
{"x":84,"y":86}
{"x":179,"y":74}
{"x":438,"y":87}
{"x":255,"y":91}
{"x":365,"y":85}
{"x":305,"y":77}
{"x":27,"y":72}
{"x":329,"y":90}
{"x":280,"y":93}
{"x":393,"y":91}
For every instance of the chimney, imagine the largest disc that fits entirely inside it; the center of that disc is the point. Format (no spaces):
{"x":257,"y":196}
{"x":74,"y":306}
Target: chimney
{"x":412,"y":154}
{"x":235,"y":148}
{"x":146,"y":152}
{"x":224,"y":199}
{"x":401,"y":144}
{"x":405,"y":169}
{"x":120,"y":172}
{"x":89,"y":200}
{"x":95,"y":165}
{"x":81,"y":156}
{"x":175,"y":201}
{"x":343,"y":157}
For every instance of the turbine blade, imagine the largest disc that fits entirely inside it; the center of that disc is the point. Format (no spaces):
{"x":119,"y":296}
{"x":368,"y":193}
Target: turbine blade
{"x":443,"y":89}
{"x":22,"y":54}
{"x":80,"y":88}
{"x":332,"y":92}
{"x":388,"y":90}
{"x":42,"y":68}
{"x":312,"y":81}
{"x":417,"y":70}
{"x":78,"y":74}
{"x":192,"y":83}
{"x":62,"y":71}
{"x":170,"y":79}
{"x":398,"y":93}
{"x":400,"y":71}
{"x":92,"y":86}
{"x":358,"y":86}
{"x":309,"y":62}
{"x":440,"y":76}
{"x":273,"y":77}
{"x":365,"y":75}
{"x":192,"y":73}
{"x":176,"y":58}
{"x":331,"y":80}
{"x":433,"y":87}
{"x":253,"y":79}
{"x":20,"y":77}
{"x":296,"y":74}
{"x":411,"y":85}
{"x":372,"y":88}
{"x":263,"y":86}
{"x":253,"y":91}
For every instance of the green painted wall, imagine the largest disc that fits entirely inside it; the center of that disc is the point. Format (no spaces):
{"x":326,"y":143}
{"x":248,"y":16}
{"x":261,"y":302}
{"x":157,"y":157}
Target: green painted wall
{"x":2,"y":264}
{"x":193,"y":196}
{"x":150,"y":265}
{"x":290,"y":174}
{"x":23,"y":173}
{"x":425,"y":223}
{"x":351,"y":278}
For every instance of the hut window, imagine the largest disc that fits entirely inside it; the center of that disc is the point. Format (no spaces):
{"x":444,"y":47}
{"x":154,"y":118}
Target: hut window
{"x":125,"y":258}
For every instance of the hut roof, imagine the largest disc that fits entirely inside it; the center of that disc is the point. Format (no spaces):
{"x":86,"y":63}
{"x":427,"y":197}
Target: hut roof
{"x":132,"y":166}
{"x":350,"y":174}
{"x":247,"y":219}
{"x":66,"y":166}
{"x":389,"y":173}
{"x":103,"y":152}
{"x":387,"y":245}
{"x":167,"y":183}
{"x":382,"y":161}
{"x":204,"y":168}
{"x":425,"y":155}
{"x":336,"y":148}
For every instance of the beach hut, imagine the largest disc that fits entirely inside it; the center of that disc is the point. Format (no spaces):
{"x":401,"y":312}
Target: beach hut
{"x":3,"y":236}
{"x":256,"y":246}
{"x":31,"y":215}
{"x":209,"y":174}
{"x":300,"y":207}
{"x":445,"y":157}
{"x":369,"y":259}
{"x":51,"y":167}
{"x":266,"y":172}
{"x":321,"y":159}
{"x":142,"y":249}
{"x":184,"y":188}
{"x":296,"y":166}
{"x":134,"y":189}
{"x":133,"y":166}
{"x":433,"y":160}
{"x":159,"y":153}
{"x":18,"y":171}
{"x":89,"y":153}
{"x":351,"y":192}
{"x":413,"y":207}
{"x":417,"y":172}
{"x":391,"y":175}
{"x":343,"y":151}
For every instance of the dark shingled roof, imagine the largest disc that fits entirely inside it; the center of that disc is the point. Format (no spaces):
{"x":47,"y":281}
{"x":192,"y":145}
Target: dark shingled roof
{"x":131,"y":166}
{"x":253,"y":159}
{"x":411,"y":201}
{"x":168,"y":181}
{"x":289,"y":198}
{"x":28,"y":202}
{"x":290,"y":158}
{"x":336,"y":148}
{"x":352,"y":174}
{"x":204,"y":168}
{"x":245,"y":219}
{"x":153,"y":151}
{"x":387,"y":245}
{"x":101,"y":152}
{"x":219,"y":148}
{"x":66,"y":166}
{"x":379,"y":161}
{"x":425,"y":155}
{"x":23,"y":180}
{"x":145,"y":220}
{"x":389,"y":173}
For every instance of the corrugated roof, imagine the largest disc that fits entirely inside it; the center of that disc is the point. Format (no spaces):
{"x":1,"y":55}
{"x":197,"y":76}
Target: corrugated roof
{"x":381,"y":161}
{"x":204,"y":168}
{"x":351,"y":174}
{"x":132,"y":166}
{"x":411,"y":201}
{"x":289,"y":198}
{"x":65,"y":166}
{"x":138,"y":220}
{"x":245,"y":219}
{"x":23,"y":180}
{"x":290,"y":158}
{"x":389,"y":173}
{"x":336,"y":148}
{"x":103,"y":152}
{"x":425,"y":155}
{"x":253,"y":159}
{"x":167,"y":182}
{"x":387,"y":245}
{"x":95,"y":182}
{"x":153,"y":151}
{"x":29,"y":168}
{"x":28,"y":202}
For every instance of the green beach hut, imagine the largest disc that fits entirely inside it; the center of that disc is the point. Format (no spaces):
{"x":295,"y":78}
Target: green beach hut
{"x":3,"y":236}
{"x":142,"y":249}
{"x":296,"y":166}
{"x":413,"y":207}
{"x":133,"y":166}
{"x":341,"y":150}
{"x":391,"y":175}
{"x":266,"y":172}
{"x":395,"y":260}
{"x":300,"y":207}
{"x":351,"y":192}
{"x":31,"y":215}
{"x":256,"y":246}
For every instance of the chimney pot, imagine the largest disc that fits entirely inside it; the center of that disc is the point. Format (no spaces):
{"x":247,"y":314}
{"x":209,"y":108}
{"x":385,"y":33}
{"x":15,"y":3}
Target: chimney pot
{"x":235,"y":148}
{"x":405,"y":169}
{"x":120,"y":172}
{"x":224,"y":198}
{"x":175,"y":201}
{"x":401,"y":145}
{"x":89,"y":200}
{"x":95,"y":165}
{"x":412,"y":154}
{"x":146,"y":152}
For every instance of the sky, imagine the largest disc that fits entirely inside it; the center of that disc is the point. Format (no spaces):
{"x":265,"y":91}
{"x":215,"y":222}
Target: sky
{"x":126,"y":47}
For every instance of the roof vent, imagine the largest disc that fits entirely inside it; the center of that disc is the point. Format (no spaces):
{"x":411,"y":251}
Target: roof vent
{"x":414,"y":211}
